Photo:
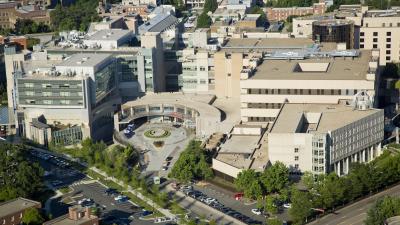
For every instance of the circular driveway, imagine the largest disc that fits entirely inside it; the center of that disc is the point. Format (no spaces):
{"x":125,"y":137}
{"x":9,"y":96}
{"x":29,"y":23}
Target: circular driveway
{"x":174,"y":144}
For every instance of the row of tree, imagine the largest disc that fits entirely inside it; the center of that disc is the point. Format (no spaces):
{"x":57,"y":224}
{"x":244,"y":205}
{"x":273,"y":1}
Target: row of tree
{"x":326,"y":192}
{"x":193,"y":164}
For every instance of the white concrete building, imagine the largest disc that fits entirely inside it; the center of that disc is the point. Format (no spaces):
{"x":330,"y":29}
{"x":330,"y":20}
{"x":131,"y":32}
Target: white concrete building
{"x":294,"y":77}
{"x":196,"y":68}
{"x":321,"y":138}
{"x":108,"y":39}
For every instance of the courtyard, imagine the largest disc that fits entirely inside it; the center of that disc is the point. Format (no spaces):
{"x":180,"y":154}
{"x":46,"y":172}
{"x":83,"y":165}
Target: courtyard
{"x":159,"y":140}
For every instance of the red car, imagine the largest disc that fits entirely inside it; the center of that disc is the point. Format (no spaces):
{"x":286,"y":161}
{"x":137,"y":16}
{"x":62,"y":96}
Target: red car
{"x":238,"y":196}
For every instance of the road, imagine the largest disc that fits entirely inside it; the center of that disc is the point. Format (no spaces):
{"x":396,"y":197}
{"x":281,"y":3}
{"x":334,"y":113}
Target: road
{"x":356,"y":213}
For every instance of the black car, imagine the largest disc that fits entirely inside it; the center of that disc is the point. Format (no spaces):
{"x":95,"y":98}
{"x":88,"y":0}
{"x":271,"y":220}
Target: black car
{"x":169,"y":158}
{"x":111,"y":191}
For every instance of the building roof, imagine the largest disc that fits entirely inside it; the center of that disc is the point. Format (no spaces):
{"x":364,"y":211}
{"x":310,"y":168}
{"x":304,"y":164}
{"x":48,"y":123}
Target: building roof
{"x":339,"y":68}
{"x":159,"y":23}
{"x":109,"y":35}
{"x":16,"y":205}
{"x":84,"y":60}
{"x":322,"y":117}
{"x":64,"y":220}
{"x":248,"y":44}
{"x":240,"y":144}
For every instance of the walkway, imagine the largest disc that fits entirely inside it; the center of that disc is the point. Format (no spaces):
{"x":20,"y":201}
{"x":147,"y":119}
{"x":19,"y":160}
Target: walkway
{"x":166,"y":212}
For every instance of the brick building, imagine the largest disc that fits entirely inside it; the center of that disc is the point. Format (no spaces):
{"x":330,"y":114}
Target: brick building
{"x":279,"y":14}
{"x":11,"y":11}
{"x":77,"y":215}
{"x":11,"y":212}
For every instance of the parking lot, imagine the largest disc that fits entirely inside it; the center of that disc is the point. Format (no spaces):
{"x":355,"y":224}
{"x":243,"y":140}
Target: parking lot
{"x":227,"y":198}
{"x":220,"y":206}
{"x":58,"y":174}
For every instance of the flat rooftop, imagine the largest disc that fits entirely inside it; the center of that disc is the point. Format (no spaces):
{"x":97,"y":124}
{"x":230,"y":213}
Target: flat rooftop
{"x":109,"y":35}
{"x":237,"y":160}
{"x":84,"y":60}
{"x":64,"y":220}
{"x":339,"y":68}
{"x":240,"y":144}
{"x":16,"y":205}
{"x":330,"y":117}
{"x":268,"y":43}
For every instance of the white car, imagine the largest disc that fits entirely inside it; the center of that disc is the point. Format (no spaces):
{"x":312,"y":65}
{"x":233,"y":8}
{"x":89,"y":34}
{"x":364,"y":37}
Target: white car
{"x":256,"y":211}
{"x":119,"y":197}
{"x":287,"y":205}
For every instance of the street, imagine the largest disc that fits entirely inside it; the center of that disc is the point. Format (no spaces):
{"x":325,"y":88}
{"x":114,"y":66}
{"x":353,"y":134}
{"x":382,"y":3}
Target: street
{"x":356,"y":213}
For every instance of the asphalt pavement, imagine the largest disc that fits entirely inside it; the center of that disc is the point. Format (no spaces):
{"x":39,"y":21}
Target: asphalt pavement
{"x":356,"y":213}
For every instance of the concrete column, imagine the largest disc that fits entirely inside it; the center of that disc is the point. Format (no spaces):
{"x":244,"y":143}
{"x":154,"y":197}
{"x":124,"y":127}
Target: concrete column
{"x":347,"y":165}
{"x":339,"y":167}
{"x":132,"y":111}
{"x":371,"y":153}
{"x":363,"y":156}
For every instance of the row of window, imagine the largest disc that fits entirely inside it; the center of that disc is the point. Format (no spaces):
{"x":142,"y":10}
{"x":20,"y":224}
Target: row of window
{"x":32,"y":85}
{"x":46,"y":94}
{"x":260,"y":119}
{"x":375,"y":34}
{"x":303,"y":91}
{"x":51,"y":102}
{"x":264,"y":105}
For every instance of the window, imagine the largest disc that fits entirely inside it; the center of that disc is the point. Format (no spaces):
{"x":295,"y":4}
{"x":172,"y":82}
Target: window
{"x":388,"y":52}
{"x":388,"y":33}
{"x":388,"y":46}
{"x":366,"y":24}
{"x":390,"y":24}
{"x":296,"y":166}
{"x":65,"y":102}
{"x":362,"y":34}
{"x":361,"y":46}
{"x":46,"y":93}
{"x":375,"y":34}
{"x":361,"y":39}
{"x":296,"y":150}
{"x":383,"y":24}
{"x":374,"y":46}
{"x":29,"y":93}
{"x":296,"y":158}
{"x":388,"y":39}
{"x":375,"y":40}
{"x":47,"y":102}
{"x":387,"y":58}
{"x":28,"y":85}
{"x":46,"y":85}
{"x":65,"y":93}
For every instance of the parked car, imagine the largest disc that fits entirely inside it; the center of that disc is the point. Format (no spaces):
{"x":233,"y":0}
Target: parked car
{"x":287,"y":205}
{"x":256,"y":211}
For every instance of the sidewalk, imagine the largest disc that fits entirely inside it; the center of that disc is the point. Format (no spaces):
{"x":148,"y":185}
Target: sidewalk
{"x":166,"y":212}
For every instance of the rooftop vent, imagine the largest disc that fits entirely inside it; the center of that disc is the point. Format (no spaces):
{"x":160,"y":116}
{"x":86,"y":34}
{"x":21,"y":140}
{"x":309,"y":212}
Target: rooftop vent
{"x":311,"y":67}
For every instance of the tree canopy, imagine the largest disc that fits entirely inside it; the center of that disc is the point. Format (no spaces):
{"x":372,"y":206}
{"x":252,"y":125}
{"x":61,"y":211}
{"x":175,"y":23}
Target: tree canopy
{"x":192,"y":164}
{"x":76,"y":16}
{"x":204,"y":21}
{"x":210,"y":6}
{"x":18,"y":177}
{"x":254,"y":184}
{"x":32,"y":217}
{"x":27,"y":26}
{"x":383,"y":209}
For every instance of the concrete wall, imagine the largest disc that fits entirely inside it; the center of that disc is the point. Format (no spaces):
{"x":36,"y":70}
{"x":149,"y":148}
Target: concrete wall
{"x":225,"y":168}
{"x":281,"y":147}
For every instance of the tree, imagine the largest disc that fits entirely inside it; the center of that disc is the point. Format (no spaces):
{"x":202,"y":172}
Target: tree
{"x":32,"y":217}
{"x":248,"y":181}
{"x":276,"y":177}
{"x":384,"y":208}
{"x":18,"y":178}
{"x":270,"y":204}
{"x":210,"y":6}
{"x":258,"y":10}
{"x":301,"y":206}
{"x":274,"y":221}
{"x":192,"y":164}
{"x":204,"y":21}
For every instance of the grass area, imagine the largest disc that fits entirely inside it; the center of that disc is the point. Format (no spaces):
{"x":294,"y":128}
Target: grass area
{"x":65,"y":190}
{"x":150,"y":134}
